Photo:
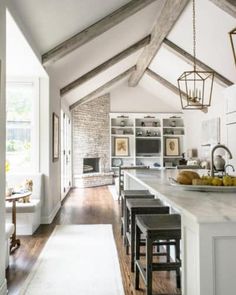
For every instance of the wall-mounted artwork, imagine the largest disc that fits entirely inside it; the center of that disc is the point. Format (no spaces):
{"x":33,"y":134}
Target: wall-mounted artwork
{"x":172,"y":146}
{"x":55,"y":137}
{"x":210,"y":133}
{"x":121,"y":146}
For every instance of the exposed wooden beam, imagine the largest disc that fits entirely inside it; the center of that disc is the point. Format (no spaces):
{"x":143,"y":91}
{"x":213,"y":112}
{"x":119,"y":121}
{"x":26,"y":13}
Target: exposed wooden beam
{"x":164,"y":23}
{"x":94,"y":30}
{"x":97,"y":91}
{"x":167,"y":84}
{"x":229,"y":6}
{"x":189,"y":59}
{"x":104,"y":66}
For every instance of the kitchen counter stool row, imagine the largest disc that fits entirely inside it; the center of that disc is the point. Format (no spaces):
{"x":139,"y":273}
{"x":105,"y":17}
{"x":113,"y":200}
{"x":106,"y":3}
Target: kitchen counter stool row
{"x":146,"y":221}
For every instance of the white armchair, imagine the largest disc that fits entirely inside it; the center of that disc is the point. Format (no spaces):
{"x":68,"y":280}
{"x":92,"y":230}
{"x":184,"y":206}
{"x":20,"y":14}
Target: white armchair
{"x":28,"y":215}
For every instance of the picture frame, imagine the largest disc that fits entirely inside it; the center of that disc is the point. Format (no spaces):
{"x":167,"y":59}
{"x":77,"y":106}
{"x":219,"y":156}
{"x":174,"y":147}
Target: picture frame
{"x":122,"y":146}
{"x":55,"y":137}
{"x":172,"y":147}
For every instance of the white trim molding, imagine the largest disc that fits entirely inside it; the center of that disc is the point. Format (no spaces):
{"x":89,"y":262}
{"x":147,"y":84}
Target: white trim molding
{"x":48,"y":219}
{"x":3,"y":287}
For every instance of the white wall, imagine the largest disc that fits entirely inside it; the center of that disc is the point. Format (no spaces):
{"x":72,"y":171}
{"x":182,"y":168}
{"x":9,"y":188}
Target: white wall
{"x":137,"y":99}
{"x":54,"y":193}
{"x":2,"y":145}
{"x":193,"y":120}
{"x":49,"y":103}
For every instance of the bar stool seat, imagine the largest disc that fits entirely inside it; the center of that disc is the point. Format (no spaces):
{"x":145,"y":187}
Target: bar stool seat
{"x":132,"y":194}
{"x":139,"y":206}
{"x":156,"y":227}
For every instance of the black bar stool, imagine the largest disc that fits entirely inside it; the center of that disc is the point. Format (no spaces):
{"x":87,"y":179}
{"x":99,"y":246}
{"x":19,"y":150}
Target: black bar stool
{"x":140,"y":206}
{"x":132,"y":194}
{"x":156,"y":227}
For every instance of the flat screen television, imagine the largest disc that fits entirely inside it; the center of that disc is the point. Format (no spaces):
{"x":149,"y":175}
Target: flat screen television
{"x":148,"y":147}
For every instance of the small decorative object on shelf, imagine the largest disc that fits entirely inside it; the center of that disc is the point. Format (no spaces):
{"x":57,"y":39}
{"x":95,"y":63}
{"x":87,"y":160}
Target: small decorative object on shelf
{"x":183,"y":161}
{"x":155,"y":133}
{"x":155,"y":124}
{"x":139,"y":133}
{"x":122,"y":123}
{"x":156,"y":165}
{"x":142,"y":124}
{"x":119,"y":131}
{"x":117,"y":162}
{"x":148,"y":133}
{"x":173,"y":123}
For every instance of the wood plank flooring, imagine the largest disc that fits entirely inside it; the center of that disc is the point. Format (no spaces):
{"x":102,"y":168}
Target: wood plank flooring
{"x":82,"y":206}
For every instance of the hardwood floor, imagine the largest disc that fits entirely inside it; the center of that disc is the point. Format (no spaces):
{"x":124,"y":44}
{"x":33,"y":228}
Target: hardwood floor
{"x":82,"y":206}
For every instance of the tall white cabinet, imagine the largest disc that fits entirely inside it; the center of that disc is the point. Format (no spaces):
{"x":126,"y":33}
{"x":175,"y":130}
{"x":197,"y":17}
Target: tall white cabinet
{"x":155,"y":139}
{"x":231,"y":122}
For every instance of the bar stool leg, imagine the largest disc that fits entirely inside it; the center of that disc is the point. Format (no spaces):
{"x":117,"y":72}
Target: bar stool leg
{"x":177,"y":258}
{"x":149,"y":249}
{"x":137,"y":255}
{"x":126,"y":229}
{"x":125,"y":221}
{"x":168,"y":252}
{"x":132,"y":242}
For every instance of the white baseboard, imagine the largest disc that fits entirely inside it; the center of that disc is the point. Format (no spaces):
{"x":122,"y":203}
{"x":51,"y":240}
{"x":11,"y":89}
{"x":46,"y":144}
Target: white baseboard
{"x":3,"y":288}
{"x":49,"y":219}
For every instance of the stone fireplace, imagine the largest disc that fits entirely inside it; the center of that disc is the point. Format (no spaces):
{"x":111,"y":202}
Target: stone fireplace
{"x":91,"y":143}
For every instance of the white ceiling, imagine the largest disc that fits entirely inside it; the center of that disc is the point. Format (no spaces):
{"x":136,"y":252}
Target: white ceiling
{"x":20,"y":62}
{"x":212,"y":28}
{"x":51,"y":22}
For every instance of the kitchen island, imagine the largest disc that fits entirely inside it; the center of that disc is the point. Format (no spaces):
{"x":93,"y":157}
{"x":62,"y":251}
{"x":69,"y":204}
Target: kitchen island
{"x":208,"y":231}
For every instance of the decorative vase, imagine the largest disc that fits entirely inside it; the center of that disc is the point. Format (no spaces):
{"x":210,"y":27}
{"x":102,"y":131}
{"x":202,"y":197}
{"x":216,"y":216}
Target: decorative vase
{"x":219,"y":163}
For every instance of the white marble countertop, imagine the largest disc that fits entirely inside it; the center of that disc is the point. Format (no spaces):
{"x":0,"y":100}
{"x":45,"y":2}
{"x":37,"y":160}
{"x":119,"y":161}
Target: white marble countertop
{"x":203,"y":207}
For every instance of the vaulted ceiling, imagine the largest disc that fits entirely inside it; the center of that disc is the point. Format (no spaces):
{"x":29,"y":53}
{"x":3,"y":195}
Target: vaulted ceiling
{"x":126,"y":36}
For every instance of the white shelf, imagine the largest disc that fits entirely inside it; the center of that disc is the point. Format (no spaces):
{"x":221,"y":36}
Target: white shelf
{"x":133,"y":122}
{"x":173,"y":135}
{"x":148,"y":157}
{"x":170,"y":127}
{"x":122,"y":135}
{"x":124,"y":157}
{"x":172,"y":157}
{"x":146,"y":127}
{"x":122,"y":127}
{"x":151,"y":137}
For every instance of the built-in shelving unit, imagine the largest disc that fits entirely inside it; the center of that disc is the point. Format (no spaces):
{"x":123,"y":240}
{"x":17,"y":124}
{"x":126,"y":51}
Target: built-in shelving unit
{"x":155,"y":139}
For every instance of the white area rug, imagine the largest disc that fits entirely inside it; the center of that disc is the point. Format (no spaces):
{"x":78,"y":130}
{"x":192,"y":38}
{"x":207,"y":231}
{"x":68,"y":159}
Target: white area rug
{"x":77,"y":259}
{"x":113,"y":191}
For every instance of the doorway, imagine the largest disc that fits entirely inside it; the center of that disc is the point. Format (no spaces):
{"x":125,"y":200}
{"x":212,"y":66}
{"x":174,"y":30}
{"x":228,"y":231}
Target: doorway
{"x":66,"y":173}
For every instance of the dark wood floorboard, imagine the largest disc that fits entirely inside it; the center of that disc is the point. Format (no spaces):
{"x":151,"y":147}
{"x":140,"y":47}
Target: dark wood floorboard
{"x":82,"y":206}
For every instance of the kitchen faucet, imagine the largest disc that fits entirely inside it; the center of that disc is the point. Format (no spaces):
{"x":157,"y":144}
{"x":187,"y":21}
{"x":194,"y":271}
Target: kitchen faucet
{"x":212,"y":155}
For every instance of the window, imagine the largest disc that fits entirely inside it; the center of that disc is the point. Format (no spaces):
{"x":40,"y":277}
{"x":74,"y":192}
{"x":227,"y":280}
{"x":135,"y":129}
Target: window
{"x":22,"y":106}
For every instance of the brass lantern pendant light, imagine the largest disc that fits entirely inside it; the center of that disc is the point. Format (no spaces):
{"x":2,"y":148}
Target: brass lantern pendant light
{"x":232,"y":35}
{"x":195,"y":87}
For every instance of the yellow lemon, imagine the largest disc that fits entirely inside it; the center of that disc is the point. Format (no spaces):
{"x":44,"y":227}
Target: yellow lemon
{"x":217,"y":181}
{"x":227,"y":180}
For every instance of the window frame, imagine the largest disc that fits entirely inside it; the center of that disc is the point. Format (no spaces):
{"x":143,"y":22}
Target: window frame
{"x":35,"y":122}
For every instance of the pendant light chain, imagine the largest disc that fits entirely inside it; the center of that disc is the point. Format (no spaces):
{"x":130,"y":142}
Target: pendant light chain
{"x":195,"y":87}
{"x":194,"y":36}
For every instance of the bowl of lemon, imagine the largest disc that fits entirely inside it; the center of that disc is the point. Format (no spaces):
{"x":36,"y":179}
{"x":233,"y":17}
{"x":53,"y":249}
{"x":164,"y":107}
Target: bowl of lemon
{"x":190,"y":180}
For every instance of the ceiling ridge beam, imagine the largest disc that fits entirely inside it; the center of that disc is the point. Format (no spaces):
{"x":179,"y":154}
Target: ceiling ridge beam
{"x":229,"y":6}
{"x":168,"y":85}
{"x":190,"y":59}
{"x":104,"y":66}
{"x":108,"y":84}
{"x":94,"y":30}
{"x":169,"y":14}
